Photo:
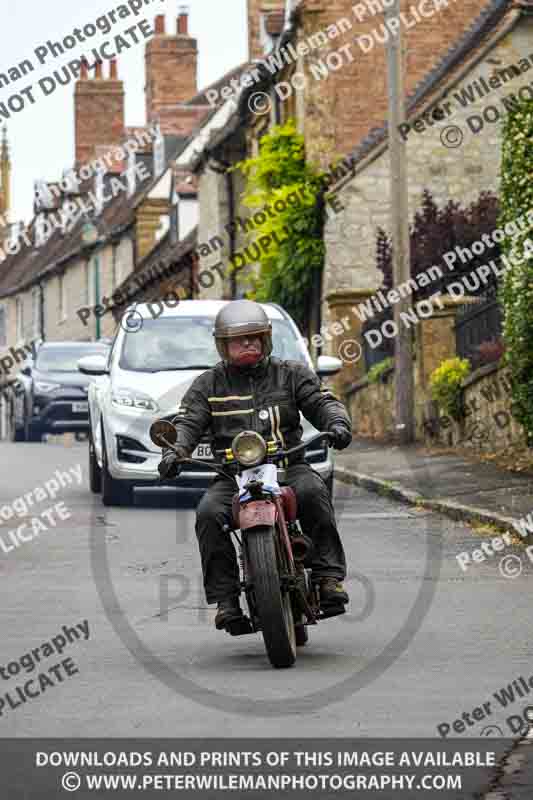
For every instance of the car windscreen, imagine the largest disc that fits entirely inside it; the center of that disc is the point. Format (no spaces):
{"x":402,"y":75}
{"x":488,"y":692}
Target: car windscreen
{"x":182,"y":343}
{"x":65,"y":359}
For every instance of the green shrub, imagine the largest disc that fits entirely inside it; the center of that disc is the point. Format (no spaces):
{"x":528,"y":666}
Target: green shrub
{"x":376,"y":373}
{"x":517,"y":293}
{"x":446,"y":385}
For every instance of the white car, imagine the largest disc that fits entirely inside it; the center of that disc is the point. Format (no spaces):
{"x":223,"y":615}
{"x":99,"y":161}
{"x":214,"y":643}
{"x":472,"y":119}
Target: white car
{"x":152,"y":363}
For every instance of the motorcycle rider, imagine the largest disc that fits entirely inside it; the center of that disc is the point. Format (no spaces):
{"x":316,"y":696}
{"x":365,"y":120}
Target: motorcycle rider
{"x":252,"y":390}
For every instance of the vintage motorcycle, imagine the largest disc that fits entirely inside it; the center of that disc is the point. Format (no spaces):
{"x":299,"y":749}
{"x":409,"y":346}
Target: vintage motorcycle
{"x":282,"y":598}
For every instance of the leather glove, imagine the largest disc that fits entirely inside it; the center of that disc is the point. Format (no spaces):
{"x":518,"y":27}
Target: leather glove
{"x":340,"y":436}
{"x":169,"y":466}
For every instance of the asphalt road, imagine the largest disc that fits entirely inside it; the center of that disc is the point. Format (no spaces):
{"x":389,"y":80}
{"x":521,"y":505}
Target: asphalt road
{"x":422,"y":644}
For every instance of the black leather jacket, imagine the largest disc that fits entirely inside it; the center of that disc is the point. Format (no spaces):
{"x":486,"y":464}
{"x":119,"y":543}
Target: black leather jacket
{"x":226,"y":400}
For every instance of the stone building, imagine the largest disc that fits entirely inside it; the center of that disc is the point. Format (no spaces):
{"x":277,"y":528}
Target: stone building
{"x":453,"y":150}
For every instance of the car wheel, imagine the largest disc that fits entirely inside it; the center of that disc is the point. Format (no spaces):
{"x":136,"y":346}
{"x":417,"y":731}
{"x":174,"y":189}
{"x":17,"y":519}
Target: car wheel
{"x":35,"y":433}
{"x":114,"y":493}
{"x":95,"y":473}
{"x":15,"y":434}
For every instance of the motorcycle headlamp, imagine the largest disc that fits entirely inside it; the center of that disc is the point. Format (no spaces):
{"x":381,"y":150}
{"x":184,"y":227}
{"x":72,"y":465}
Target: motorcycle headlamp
{"x":249,"y":448}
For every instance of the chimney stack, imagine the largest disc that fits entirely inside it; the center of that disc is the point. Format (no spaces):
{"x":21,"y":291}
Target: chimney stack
{"x":171,"y":67}
{"x":98,"y":111}
{"x":265,"y":19}
{"x":183,"y":21}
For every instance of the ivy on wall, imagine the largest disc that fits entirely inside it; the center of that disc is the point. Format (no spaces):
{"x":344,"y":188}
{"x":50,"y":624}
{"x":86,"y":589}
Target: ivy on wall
{"x":517,"y":291}
{"x":280,"y":178}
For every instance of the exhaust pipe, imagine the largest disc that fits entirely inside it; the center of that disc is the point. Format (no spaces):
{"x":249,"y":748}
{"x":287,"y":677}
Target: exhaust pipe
{"x":301,"y":547}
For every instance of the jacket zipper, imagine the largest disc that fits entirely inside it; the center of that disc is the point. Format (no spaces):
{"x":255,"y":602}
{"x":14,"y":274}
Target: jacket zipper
{"x":252,"y":389}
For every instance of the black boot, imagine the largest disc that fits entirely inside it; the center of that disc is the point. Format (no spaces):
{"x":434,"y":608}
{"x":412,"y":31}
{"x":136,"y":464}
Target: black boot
{"x":332,"y":592}
{"x":228,"y":610}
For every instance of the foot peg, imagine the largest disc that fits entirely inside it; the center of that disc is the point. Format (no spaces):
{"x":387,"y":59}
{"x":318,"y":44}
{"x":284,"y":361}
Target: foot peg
{"x":239,"y":627}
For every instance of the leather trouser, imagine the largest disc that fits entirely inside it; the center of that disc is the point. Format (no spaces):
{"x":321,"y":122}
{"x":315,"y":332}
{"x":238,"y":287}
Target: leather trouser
{"x":315,"y":514}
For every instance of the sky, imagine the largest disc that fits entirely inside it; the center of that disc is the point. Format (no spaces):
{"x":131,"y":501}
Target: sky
{"x":41,"y":135}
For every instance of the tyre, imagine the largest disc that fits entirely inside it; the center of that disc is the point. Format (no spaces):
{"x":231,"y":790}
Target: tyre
{"x":35,"y":434}
{"x":301,"y":635}
{"x":273,"y":608}
{"x":95,"y":473}
{"x":15,"y":434}
{"x":114,"y":493}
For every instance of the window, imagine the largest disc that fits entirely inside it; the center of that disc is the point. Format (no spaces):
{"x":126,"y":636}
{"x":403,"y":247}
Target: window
{"x":3,"y":326}
{"x":19,"y":308}
{"x":62,"y":299}
{"x":36,"y":312}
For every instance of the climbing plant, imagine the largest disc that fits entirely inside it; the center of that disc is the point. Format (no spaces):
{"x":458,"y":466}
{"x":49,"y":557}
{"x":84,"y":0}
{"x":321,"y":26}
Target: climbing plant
{"x":280,"y":182}
{"x":517,"y":292}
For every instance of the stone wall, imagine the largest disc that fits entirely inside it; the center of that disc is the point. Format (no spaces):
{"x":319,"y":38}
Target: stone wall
{"x":488,"y":424}
{"x":459,"y":174}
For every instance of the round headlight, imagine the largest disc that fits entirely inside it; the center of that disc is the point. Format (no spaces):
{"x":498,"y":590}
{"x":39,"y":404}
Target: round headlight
{"x":249,"y":448}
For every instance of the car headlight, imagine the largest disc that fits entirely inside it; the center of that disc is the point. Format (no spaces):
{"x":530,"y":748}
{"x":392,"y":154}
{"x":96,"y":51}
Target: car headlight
{"x":249,"y":448}
{"x":44,"y":386}
{"x":133,"y":399}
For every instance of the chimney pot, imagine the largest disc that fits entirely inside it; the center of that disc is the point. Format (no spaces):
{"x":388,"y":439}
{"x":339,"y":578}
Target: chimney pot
{"x":84,"y":73}
{"x":183,"y":21}
{"x":98,"y":70}
{"x":160,"y":23}
{"x":113,"y":71}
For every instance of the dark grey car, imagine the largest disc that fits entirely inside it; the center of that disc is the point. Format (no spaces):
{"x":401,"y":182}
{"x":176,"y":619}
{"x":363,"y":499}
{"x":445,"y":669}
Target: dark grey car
{"x":54,"y":399}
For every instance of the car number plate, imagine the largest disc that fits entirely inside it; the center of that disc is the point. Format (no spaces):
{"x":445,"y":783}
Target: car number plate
{"x":203,"y":451}
{"x":80,"y":408}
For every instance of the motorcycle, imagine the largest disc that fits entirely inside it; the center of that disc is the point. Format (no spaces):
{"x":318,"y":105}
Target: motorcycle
{"x":281,"y":595}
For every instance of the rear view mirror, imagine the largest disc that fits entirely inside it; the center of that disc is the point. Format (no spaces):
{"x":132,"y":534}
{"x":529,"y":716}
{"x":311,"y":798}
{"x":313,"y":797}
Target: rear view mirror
{"x":327,"y":366}
{"x":163,"y":433}
{"x":93,"y":365}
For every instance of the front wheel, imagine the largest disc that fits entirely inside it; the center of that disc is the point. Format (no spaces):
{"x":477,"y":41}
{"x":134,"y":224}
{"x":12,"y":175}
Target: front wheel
{"x":273,"y":608}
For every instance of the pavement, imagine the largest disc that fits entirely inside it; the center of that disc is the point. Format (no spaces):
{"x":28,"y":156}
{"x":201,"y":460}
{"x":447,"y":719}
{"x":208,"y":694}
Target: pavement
{"x":463,"y":490}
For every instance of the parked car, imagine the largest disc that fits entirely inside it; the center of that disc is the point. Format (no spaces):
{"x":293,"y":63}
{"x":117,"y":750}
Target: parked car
{"x":145,"y":377}
{"x":51,"y":394}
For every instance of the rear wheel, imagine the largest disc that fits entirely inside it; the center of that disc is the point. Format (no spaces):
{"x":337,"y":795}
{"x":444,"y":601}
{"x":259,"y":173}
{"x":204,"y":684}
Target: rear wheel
{"x":273,"y":608}
{"x":114,"y":493}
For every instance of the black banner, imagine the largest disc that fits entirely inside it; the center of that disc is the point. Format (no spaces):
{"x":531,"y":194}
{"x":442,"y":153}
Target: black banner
{"x":47,"y":769}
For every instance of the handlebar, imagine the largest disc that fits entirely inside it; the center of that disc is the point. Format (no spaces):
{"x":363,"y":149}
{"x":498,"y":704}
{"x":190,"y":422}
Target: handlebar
{"x":277,"y":456}
{"x":303,"y":445}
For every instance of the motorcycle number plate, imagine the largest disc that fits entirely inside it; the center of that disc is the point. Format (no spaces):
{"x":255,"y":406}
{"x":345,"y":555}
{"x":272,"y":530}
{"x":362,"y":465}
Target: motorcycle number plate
{"x":258,"y":512}
{"x":267,"y":474}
